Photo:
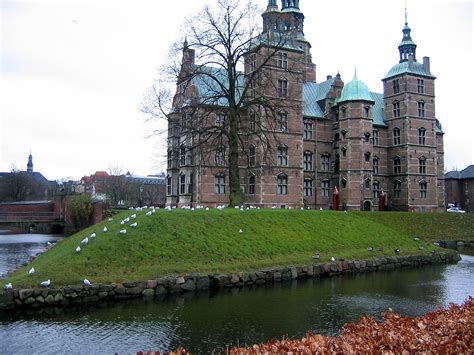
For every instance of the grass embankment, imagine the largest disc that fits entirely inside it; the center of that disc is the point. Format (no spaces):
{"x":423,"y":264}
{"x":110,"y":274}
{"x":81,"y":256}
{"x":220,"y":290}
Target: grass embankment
{"x":184,"y":242}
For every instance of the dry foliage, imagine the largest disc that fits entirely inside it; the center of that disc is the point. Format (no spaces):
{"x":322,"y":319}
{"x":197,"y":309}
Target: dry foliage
{"x":445,"y":331}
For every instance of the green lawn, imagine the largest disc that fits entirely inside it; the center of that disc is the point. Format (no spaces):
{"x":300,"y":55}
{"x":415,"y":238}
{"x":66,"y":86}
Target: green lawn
{"x":185,"y":242}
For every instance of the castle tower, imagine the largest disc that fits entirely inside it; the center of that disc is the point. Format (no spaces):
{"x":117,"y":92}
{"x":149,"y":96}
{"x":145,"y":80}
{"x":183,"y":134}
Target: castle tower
{"x":29,"y":166}
{"x":415,"y":146}
{"x":353,"y":146}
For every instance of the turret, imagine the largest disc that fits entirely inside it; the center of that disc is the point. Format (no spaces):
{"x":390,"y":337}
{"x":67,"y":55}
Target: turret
{"x":29,"y":166}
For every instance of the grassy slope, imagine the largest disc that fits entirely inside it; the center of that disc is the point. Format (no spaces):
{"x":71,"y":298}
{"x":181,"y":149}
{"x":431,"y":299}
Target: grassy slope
{"x":183,"y":242}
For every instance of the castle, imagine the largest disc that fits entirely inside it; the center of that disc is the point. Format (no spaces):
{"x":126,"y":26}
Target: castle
{"x":334,"y":145}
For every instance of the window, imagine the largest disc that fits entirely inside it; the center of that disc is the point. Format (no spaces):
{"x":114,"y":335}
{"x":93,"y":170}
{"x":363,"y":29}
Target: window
{"x":182,"y":156}
{"x":253,"y":89}
{"x":325,"y":188}
{"x":252,"y":155}
{"x":343,"y":112}
{"x":396,"y":86}
{"x":220,"y":156}
{"x":282,"y":155}
{"x":421,"y":86}
{"x":308,"y":187}
{"x":308,"y":130}
{"x":220,"y":119}
{"x":421,"y":136}
{"x":396,"y":109}
{"x":170,"y":158}
{"x":375,"y":137}
{"x":182,"y":184}
{"x":184,"y":120}
{"x":282,"y":122}
{"x":375,"y":189}
{"x":251,"y":184}
{"x":344,"y":151}
{"x":190,"y":183}
{"x":219,"y":184}
{"x":343,"y":183}
{"x":397,"y":189}
{"x":189,"y":156}
{"x":252,"y":122}
{"x":367,"y":156}
{"x":325,"y":162}
{"x":282,"y":184}
{"x":397,"y":169}
{"x":282,"y":60}
{"x":366,"y":136}
{"x":367,"y":183}
{"x":168,"y":185}
{"x":423,"y":189}
{"x":396,"y":136}
{"x":421,"y":108}
{"x":366,"y":111}
{"x":422,"y":165}
{"x":308,"y":161}
{"x":253,"y":62}
{"x":336,"y":164}
{"x":375,"y":165}
{"x":282,"y":87}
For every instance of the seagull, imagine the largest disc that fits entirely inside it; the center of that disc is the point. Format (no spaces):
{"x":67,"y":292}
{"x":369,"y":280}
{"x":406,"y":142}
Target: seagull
{"x":78,"y":249}
{"x":436,"y":243}
{"x":122,"y":222}
{"x":138,"y":209}
{"x":48,"y":243}
{"x":31,"y":271}
{"x":133,"y":216}
{"x":153,"y":211}
{"x":111,"y":219}
{"x":8,"y":286}
{"x":145,"y":207}
{"x":126,"y":220}
{"x":85,"y":241}
{"x":131,"y":208}
{"x":416,"y":238}
{"x":316,"y":256}
{"x":333,"y":259}
{"x":302,"y":208}
{"x":397,"y":250}
{"x":207,"y":208}
{"x":46,"y":283}
{"x":134,"y":225}
{"x":370,"y":249}
{"x":147,"y":214}
{"x":93,"y":235}
{"x":123,"y":231}
{"x":320,"y":208}
{"x":241,"y":231}
{"x":87,"y":282}
{"x":105,"y":229}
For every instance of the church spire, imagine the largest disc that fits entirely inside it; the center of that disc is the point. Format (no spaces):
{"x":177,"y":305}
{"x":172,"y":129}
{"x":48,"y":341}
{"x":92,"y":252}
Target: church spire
{"x":407,"y":47}
{"x":272,"y":5}
{"x":29,"y":166}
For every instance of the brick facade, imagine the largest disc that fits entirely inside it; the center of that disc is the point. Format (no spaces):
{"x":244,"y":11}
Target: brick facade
{"x":391,"y":141}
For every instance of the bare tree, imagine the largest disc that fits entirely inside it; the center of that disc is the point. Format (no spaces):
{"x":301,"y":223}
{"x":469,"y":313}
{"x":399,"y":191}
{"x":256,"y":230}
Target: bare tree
{"x":226,"y":95}
{"x":117,"y":187}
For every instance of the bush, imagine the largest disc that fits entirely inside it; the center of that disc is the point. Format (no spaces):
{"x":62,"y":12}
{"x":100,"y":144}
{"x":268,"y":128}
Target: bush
{"x":81,"y":211}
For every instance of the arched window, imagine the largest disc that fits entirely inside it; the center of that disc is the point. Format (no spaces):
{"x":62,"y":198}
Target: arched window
{"x":308,"y":130}
{"x":251,"y":184}
{"x":282,"y":155}
{"x":397,"y":189}
{"x":396,"y":136}
{"x":421,"y":136}
{"x":422,"y":165}
{"x":397,"y":168}
{"x":343,"y":183}
{"x":423,"y":189}
{"x":282,"y":184}
{"x":308,"y":161}
{"x":421,"y":108}
{"x":308,"y":187}
{"x":252,"y":156}
{"x":325,"y":162}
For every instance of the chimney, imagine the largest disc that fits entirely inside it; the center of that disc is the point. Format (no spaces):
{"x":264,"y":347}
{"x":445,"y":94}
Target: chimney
{"x":328,"y":77}
{"x":426,"y":64}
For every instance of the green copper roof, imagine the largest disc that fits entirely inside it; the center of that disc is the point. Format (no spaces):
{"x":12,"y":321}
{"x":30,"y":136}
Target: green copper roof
{"x":355,"y":90}
{"x":409,"y":67}
{"x":377,"y":109}
{"x":313,"y":94}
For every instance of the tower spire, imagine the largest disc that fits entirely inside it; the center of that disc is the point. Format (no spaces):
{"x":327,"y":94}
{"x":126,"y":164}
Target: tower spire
{"x":407,"y":47}
{"x":29,"y":166}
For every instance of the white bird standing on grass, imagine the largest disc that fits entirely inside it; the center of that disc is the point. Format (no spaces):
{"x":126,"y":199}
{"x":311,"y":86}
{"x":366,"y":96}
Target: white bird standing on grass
{"x":78,"y":249}
{"x":122,"y":222}
{"x":134,"y":225}
{"x":126,"y":220}
{"x":93,"y":235}
{"x":333,"y":259}
{"x":45,"y":283}
{"x":123,"y":231}
{"x":148,"y":213}
{"x":8,"y":286}
{"x":87,"y":282}
{"x":133,"y":216}
{"x":241,"y":231}
{"x":31,"y":271}
{"x":85,"y":241}
{"x":105,"y":229}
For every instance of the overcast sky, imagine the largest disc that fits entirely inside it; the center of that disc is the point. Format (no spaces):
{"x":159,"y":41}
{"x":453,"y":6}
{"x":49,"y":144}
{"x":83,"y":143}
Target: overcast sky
{"x":73,"y":73}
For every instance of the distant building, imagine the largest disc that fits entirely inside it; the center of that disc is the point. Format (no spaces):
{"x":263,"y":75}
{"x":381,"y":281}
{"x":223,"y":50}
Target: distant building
{"x":460,"y":188}
{"x":331,"y":138}
{"x":94,"y":185}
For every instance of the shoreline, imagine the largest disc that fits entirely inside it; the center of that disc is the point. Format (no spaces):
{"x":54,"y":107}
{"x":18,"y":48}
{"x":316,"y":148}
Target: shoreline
{"x":75,"y":295}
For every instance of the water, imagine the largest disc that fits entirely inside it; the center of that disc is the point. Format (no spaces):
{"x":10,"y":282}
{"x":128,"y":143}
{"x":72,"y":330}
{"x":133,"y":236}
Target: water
{"x":213,"y":320}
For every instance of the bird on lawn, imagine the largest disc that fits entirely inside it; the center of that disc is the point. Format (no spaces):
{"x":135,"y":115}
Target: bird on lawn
{"x":87,"y":282}
{"x":126,"y":220}
{"x":122,"y":222}
{"x":48,"y":243}
{"x":317,"y":256}
{"x":333,"y":259}
{"x":241,"y":231}
{"x":416,"y":239}
{"x":370,"y":249}
{"x":110,"y":219}
{"x":133,"y":216}
{"x":105,"y":229}
{"x":397,"y":250}
{"x":93,"y":235}
{"x":8,"y":286}
{"x":134,"y":225}
{"x":31,"y":271}
{"x":78,"y":249}
{"x":45,"y":283}
{"x":85,"y":241}
{"x":123,"y":231}
{"x":148,"y":213}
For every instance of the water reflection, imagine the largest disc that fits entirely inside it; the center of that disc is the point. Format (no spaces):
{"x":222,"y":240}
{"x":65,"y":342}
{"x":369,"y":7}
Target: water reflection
{"x":211,"y":320}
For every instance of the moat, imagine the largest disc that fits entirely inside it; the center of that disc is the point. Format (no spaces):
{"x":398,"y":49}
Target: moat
{"x":212,"y":320}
